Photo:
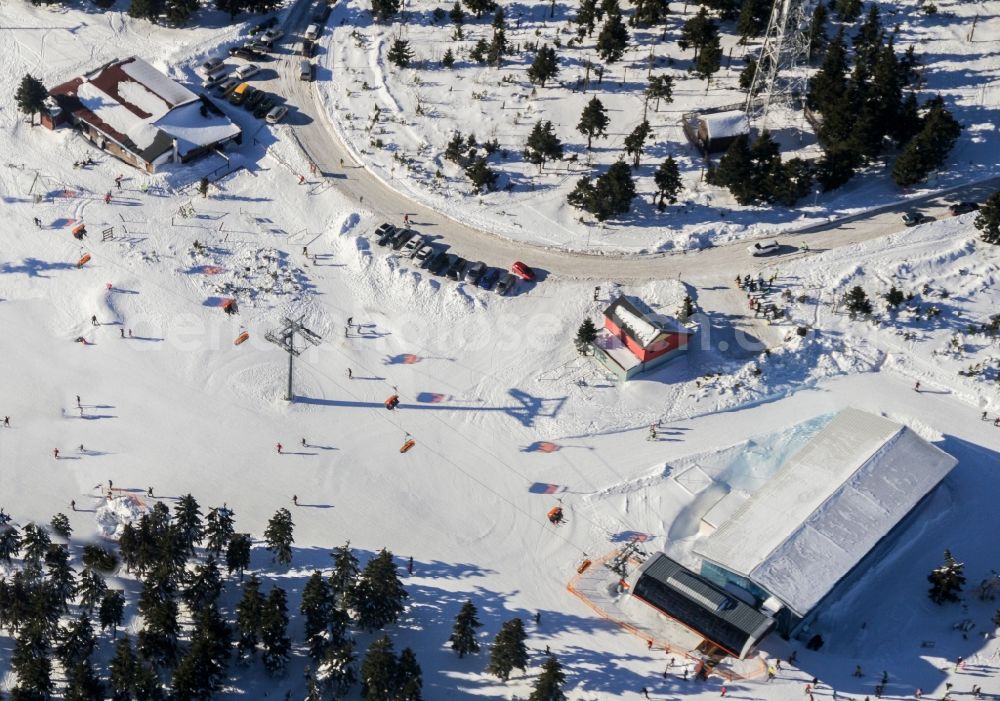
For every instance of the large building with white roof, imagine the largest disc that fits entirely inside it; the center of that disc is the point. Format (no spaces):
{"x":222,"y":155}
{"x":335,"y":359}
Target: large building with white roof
{"x":136,"y":113}
{"x":827,"y":513}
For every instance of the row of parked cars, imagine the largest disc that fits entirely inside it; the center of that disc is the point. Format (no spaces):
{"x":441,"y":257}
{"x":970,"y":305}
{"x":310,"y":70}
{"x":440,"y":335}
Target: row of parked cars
{"x":438,"y":261}
{"x":234,"y":86}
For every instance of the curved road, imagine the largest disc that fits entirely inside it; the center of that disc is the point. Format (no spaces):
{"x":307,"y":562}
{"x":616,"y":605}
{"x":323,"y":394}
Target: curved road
{"x":324,"y":147}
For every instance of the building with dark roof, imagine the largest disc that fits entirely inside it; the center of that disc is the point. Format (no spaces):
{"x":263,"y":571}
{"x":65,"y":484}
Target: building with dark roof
{"x":634,"y":341}
{"x":137,"y":114}
{"x":725,"y":623}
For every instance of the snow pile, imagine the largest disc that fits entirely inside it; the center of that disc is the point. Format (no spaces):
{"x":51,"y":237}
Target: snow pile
{"x":115,"y":512}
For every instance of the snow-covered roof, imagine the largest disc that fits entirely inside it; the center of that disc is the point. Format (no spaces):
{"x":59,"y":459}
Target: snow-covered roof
{"x":644,"y":328}
{"x":724,"y":509}
{"x":167,"y":90}
{"x":827,"y":507}
{"x":193,"y":130}
{"x":721,"y":125}
{"x":116,"y":115}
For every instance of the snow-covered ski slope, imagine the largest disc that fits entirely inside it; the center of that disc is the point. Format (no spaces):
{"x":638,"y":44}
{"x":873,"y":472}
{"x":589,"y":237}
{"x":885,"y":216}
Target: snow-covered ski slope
{"x":483,"y":381}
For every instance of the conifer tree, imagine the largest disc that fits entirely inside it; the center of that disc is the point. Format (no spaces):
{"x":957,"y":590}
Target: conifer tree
{"x":60,"y":525}
{"x":90,"y":589}
{"x":585,"y":335}
{"x":457,"y":15}
{"x":158,"y":640}
{"x":709,"y":59}
{"x":316,"y":606}
{"x":907,"y":122}
{"x":378,"y":671}
{"x":548,"y":685}
{"x":30,"y":96}
{"x":238,"y":553}
{"x":379,"y":595}
{"x":829,"y":83}
{"x":448,"y":60}
{"x":219,"y":530}
{"x":509,"y":651}
{"x":147,"y":684}
{"x":748,"y":74}
{"x":479,"y":51}
{"x":82,"y":683}
{"x":384,"y":10}
{"x":697,"y":32}
{"x":273,"y":632}
{"x":612,"y":39}
{"x":947,"y":580}
{"x":30,"y":662}
{"x":543,"y":145}
{"x":668,"y":181}
{"x":204,"y":585}
{"x":480,"y":175}
{"x":735,"y":170}
{"x":233,"y":7}
{"x":75,"y":642}
{"x":687,"y":309}
{"x":593,"y":121}
{"x":726,"y":9}
{"x":586,"y":18}
{"x":112,"y":611}
{"x":929,"y":149}
{"x":10,"y":543}
{"x":649,"y":13}
{"x":249,"y":615}
{"x":753,"y":18}
{"x":463,"y":633}
{"x":336,"y":673}
{"x":636,"y":141}
{"x":857,"y":301}
{"x":545,"y":65}
{"x":187,"y":517}
{"x":497,"y":48}
{"x":202,"y":671}
{"x":848,"y":11}
{"x":988,"y":219}
{"x":817,"y":31}
{"x":150,"y":9}
{"x":179,"y":12}
{"x":660,"y":87}
{"x":35,"y":543}
{"x":60,"y":575}
{"x":480,"y":7}
{"x":894,"y":297}
{"x":836,"y":166}
{"x":345,"y":574}
{"x":278,"y":536}
{"x":122,"y":672}
{"x":409,"y":678}
{"x":400,"y":54}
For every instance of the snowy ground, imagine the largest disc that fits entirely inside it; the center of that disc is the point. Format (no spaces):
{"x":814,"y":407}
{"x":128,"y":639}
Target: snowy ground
{"x":399,"y":121}
{"x":484,"y":381}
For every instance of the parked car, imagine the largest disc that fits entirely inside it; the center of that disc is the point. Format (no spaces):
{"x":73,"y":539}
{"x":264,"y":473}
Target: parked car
{"x":456,"y":269}
{"x":227,"y":86}
{"x":442,"y":263}
{"x":763,"y":249}
{"x":265,"y":106}
{"x":474,"y":272}
{"x":312,"y":32}
{"x":505,"y":284}
{"x":321,"y":13}
{"x":305,"y":70}
{"x":412,"y":246}
{"x":384,"y":233}
{"x":522,"y":271}
{"x":273,"y":34}
{"x":212,"y":65}
{"x":489,"y":278}
{"x":241,"y":93}
{"x":247,"y":70}
{"x":276,"y":114}
{"x":963,"y":208}
{"x":215,"y":80}
{"x":402,"y":237}
{"x":255,"y":99}
{"x":306,"y":48}
{"x":913,"y":217}
{"x":244,"y":53}
{"x":424,"y":255}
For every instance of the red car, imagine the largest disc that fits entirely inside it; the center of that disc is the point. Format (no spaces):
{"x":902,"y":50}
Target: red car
{"x":522,"y":271}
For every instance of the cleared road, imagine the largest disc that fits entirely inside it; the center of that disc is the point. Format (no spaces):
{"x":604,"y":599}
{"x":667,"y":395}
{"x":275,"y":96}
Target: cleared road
{"x":324,"y":147}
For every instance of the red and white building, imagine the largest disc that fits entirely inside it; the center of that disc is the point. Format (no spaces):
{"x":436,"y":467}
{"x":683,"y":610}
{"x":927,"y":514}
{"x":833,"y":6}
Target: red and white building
{"x":137,"y":114}
{"x":633,"y":342}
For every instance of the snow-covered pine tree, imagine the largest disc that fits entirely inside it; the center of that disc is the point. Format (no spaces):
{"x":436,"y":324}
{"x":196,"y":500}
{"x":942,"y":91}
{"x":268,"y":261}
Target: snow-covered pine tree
{"x":636,"y":141}
{"x":509,"y":651}
{"x":543,"y":144}
{"x":548,"y":685}
{"x":593,"y":121}
{"x":585,"y":335}
{"x":10,"y":543}
{"x":668,"y":181}
{"x":60,"y":575}
{"x":60,"y":525}
{"x":612,"y":39}
{"x":82,"y":683}
{"x":187,"y":518}
{"x":219,"y":530}
{"x":204,"y":585}
{"x":112,"y":611}
{"x":947,"y":580}
{"x":121,"y":675}
{"x":987,"y":222}
{"x":317,"y":603}
{"x":379,"y":595}
{"x":544,"y":66}
{"x":857,"y":301}
{"x":409,"y":678}
{"x":384,"y":10}
{"x":90,"y":589}
{"x":344,"y":576}
{"x":30,"y":96}
{"x":249,"y":614}
{"x":238,"y":553}
{"x":278,"y":536}
{"x":378,"y":671}
{"x":400,"y":53}
{"x":687,"y":309}
{"x":335,"y":674}
{"x":463,"y":633}
{"x":35,"y":543}
{"x":30,"y":661}
{"x":448,"y":60}
{"x":273,"y":632}
{"x":660,"y":87}
{"x":75,"y":642}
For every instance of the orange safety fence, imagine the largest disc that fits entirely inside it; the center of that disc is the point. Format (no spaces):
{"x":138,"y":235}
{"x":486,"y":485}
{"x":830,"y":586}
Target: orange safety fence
{"x":758,"y":669}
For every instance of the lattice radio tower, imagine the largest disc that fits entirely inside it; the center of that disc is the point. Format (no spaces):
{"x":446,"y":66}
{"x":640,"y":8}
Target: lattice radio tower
{"x":284,"y":338}
{"x":785,"y":51}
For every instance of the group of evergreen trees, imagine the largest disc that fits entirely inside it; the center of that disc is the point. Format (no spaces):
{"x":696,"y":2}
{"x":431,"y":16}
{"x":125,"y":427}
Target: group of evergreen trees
{"x":187,"y":639}
{"x":179,"y":12}
{"x":755,"y":173}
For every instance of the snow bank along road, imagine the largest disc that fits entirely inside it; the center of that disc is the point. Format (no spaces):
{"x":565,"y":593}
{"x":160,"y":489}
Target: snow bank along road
{"x":324,"y":147}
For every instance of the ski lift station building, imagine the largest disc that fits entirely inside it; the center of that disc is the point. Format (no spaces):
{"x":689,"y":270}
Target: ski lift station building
{"x":794,"y":546}
{"x":634,"y":340}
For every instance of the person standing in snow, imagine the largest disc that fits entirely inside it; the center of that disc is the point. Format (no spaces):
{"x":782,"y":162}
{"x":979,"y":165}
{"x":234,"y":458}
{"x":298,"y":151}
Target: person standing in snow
{"x":409,"y":567}
{"x":984,"y":416}
{"x":303,"y":442}
{"x":722,"y":691}
{"x":279,"y":448}
{"x":149,"y":492}
{"x":6,"y":422}
{"x":72,"y":504}
{"x":916,"y":387}
{"x":857,"y":671}
{"x":295,"y":499}
{"x":38,"y":222}
{"x":122,"y":331}
{"x":55,"y":453}
{"x":350,"y":375}
{"x":93,"y":320}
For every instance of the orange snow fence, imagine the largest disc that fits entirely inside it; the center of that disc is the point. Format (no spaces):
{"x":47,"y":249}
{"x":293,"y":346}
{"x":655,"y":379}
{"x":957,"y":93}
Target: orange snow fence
{"x":242,"y":337}
{"x":83,"y":261}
